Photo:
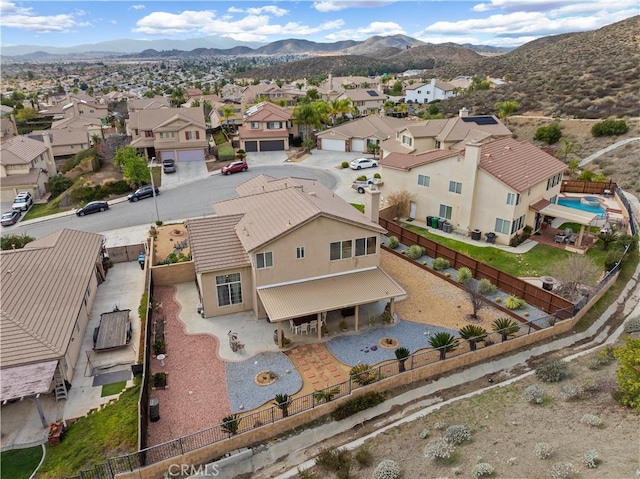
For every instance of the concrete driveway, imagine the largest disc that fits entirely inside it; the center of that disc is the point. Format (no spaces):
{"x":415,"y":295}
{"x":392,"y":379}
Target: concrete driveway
{"x":186,"y":172}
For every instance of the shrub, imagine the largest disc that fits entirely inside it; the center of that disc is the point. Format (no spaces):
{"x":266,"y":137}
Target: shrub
{"x":612,"y":259}
{"x":628,"y":375}
{"x":377,"y":176}
{"x":334,"y":460}
{"x":364,"y":456}
{"x":344,"y":164}
{"x":603,"y":358}
{"x":513,"y":302}
{"x":609,"y":127}
{"x":387,"y":469}
{"x":486,"y":287}
{"x":571,"y":392}
{"x":361,"y":178}
{"x":440,"y":264}
{"x":415,"y":251}
{"x":358,"y":404}
{"x":438,"y":449}
{"x":632,"y":325}
{"x":562,"y":470}
{"x":534,"y":394}
{"x":15,"y":241}
{"x":552,"y":371}
{"x":543,"y":450}
{"x":591,"y":459}
{"x":363,"y":374}
{"x":392,"y":242}
{"x":59,"y":184}
{"x":549,"y":134}
{"x":117,"y":187}
{"x":591,"y":420}
{"x":463,"y":275}
{"x":226,"y":153}
{"x":481,"y":470}
{"x":457,"y":434}
{"x":424,"y":433}
{"x":440,"y":425}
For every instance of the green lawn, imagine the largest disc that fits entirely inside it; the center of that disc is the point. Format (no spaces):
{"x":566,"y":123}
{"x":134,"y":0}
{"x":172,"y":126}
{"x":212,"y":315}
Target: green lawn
{"x":20,"y":463}
{"x":38,"y":211}
{"x":111,"y":389}
{"x":90,"y":440}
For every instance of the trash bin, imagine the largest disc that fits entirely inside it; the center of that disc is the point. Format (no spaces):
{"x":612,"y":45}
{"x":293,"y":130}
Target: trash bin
{"x":447,"y":227}
{"x":491,"y":237}
{"x":547,"y":283}
{"x":154,"y":410}
{"x":429,"y":220}
{"x":434,"y":222}
{"x":476,"y":234}
{"x":441,"y":222}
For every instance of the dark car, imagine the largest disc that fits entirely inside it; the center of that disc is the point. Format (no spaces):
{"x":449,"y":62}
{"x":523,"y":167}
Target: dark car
{"x":235,"y":167}
{"x":10,"y":217}
{"x":169,"y":166}
{"x":93,"y":207}
{"x":145,"y":191}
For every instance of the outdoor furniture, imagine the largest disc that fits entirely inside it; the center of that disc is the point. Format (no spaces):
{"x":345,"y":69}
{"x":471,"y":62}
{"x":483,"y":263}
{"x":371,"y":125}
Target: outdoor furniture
{"x":313,"y":325}
{"x":560,"y":238}
{"x":292,"y":326}
{"x":304,"y":328}
{"x":297,"y":329}
{"x":572,"y":238}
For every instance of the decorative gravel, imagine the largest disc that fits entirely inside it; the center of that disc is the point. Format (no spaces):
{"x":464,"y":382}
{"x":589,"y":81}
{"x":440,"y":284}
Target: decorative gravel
{"x":365,"y":348}
{"x":245,"y":394}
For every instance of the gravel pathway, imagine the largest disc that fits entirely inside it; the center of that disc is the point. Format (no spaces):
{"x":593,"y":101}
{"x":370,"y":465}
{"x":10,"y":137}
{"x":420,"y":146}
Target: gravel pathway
{"x":364,"y":347}
{"x":244,"y":394}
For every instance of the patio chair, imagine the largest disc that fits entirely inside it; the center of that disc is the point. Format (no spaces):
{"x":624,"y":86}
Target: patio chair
{"x":304,"y":328}
{"x":560,"y":238}
{"x":292,"y":326}
{"x":313,"y":325}
{"x":572,"y":238}
{"x":297,"y":330}
{"x":568,"y":231}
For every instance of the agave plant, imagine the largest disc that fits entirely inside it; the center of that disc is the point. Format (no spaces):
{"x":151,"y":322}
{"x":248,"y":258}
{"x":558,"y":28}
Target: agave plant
{"x":230,"y":424}
{"x":282,"y":401}
{"x":443,"y":342}
{"x":326,"y":395}
{"x":402,"y":354}
{"x":506,"y":327}
{"x":474,"y":334}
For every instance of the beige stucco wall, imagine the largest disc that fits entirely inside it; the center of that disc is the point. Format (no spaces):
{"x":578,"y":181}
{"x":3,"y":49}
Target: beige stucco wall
{"x":168,"y":274}
{"x":208,"y":291}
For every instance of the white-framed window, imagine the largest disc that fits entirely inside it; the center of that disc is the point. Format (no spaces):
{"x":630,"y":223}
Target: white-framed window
{"x":455,"y":187}
{"x":554,"y":180}
{"x":503,"y":226}
{"x":446,"y":211}
{"x":340,"y":250}
{"x":407,"y":140}
{"x":255,"y":125}
{"x":274,"y":125}
{"x":518,"y":224}
{"x":513,"y":198}
{"x":192,"y":135}
{"x":264,"y":260}
{"x":372,"y":142}
{"x":300,"y":252}
{"x":366,"y":246}
{"x":229,"y":288}
{"x":87,"y":295}
{"x":424,"y":180}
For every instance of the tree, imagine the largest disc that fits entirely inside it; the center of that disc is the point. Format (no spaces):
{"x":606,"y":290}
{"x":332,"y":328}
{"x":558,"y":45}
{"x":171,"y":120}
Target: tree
{"x":313,"y":94}
{"x":607,"y":237}
{"x":282,"y":401}
{"x":443,"y":342}
{"x":506,"y":327}
{"x":338,"y":107}
{"x":628,"y":373}
{"x":506,"y":109}
{"x":479,"y":83}
{"x":373,"y":149}
{"x":230,"y":424}
{"x":308,"y":116}
{"x":572,"y":273}
{"x":227,"y":112}
{"x":134,"y":167}
{"x":25,"y":115}
{"x":178,"y":96}
{"x":402,"y":354}
{"x":476,"y":299}
{"x":15,"y":241}
{"x":58,"y":184}
{"x":388,"y":105}
{"x":207,"y":108}
{"x":397,"y":87}
{"x":549,"y":134}
{"x":401,"y":200}
{"x":474,"y":334}
{"x":567,"y":148}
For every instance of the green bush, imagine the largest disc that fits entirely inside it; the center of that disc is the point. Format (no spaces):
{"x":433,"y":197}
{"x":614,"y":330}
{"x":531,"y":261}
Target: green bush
{"x":364,"y":456}
{"x":226,"y":153}
{"x":59,"y":184}
{"x":361,"y":178}
{"x":464,"y":275}
{"x":358,"y":404}
{"x":345,"y":165}
{"x":377,"y":176}
{"x":486,"y":287}
{"x":415,"y":251}
{"x":116,"y":187}
{"x":334,"y":460}
{"x":392,"y":242}
{"x":609,"y":127}
{"x":440,"y":264}
{"x":549,"y":134}
{"x":76,"y":159}
{"x":612,"y":258}
{"x":552,"y":371}
{"x":513,"y":302}
{"x":86,"y":193}
{"x":14,"y":241}
{"x":362,"y":374}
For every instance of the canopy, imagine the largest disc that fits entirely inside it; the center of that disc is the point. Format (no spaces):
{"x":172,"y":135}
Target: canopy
{"x":27,"y":380}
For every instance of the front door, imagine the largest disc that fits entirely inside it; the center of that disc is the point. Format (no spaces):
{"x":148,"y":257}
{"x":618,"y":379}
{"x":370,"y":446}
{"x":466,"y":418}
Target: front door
{"x":412,"y":209}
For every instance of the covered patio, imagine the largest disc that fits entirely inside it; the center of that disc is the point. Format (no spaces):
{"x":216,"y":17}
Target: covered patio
{"x":564,"y":238}
{"x":319,"y":296}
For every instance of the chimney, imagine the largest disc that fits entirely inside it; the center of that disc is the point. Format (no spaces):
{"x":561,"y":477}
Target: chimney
{"x":372,"y":203}
{"x":463,"y":113}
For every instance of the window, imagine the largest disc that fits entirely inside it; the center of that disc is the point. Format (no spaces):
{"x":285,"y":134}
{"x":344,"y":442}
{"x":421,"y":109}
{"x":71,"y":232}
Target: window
{"x":407,"y":140}
{"x":445,"y":211}
{"x":372,"y":142}
{"x":438,"y":144}
{"x":503,"y":226}
{"x":455,"y":187}
{"x":148,"y":134}
{"x":518,"y":224}
{"x":513,"y":198}
{"x":554,"y":180}
{"x":366,"y":246}
{"x":274,"y":125}
{"x":229,"y":289}
{"x":424,"y":180}
{"x":87,"y":295}
{"x":340,"y":250}
{"x":264,"y":260}
{"x":300,"y":252}
{"x":255,"y":125}
{"x":554,"y":199}
{"x":192,"y":135}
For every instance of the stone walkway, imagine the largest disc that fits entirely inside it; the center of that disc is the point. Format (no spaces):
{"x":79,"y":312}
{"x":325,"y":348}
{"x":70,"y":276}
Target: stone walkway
{"x":318,"y":366}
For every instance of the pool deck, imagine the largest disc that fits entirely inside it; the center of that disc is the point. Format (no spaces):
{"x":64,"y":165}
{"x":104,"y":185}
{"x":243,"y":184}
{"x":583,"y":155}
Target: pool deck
{"x":614,"y":210}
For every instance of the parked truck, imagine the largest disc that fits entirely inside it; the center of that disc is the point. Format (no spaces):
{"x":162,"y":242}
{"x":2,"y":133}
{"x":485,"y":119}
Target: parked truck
{"x":361,"y":185}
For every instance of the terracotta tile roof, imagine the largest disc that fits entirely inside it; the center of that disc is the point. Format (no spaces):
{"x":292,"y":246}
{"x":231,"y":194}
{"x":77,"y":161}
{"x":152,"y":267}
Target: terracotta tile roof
{"x":407,"y":162}
{"x":43,"y":286}
{"x":215,"y":244}
{"x":518,"y":164}
{"x":244,"y":132}
{"x":150,"y":119}
{"x":266,"y":111}
{"x":361,"y":94}
{"x":367,"y":127}
{"x":20,"y":150}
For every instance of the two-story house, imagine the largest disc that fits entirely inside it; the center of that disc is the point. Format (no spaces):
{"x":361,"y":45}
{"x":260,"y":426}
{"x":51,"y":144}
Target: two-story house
{"x":169,"y":133}
{"x":155,"y":103}
{"x":271,"y":92}
{"x":492,"y":187}
{"x":266,"y":127}
{"x":366,"y":101}
{"x":288,"y":248}
{"x":25,"y":165}
{"x":65,"y":142}
{"x":426,"y":92}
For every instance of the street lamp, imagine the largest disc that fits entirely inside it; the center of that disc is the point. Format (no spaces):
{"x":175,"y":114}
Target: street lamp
{"x":153,"y":189}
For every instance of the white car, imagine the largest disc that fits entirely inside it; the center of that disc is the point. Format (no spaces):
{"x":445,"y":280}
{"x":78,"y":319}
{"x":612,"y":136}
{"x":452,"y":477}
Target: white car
{"x":22,"y":202}
{"x":360,"y":163}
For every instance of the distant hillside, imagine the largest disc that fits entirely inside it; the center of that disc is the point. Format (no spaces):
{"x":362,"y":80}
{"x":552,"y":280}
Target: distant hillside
{"x":282,"y":47}
{"x":377,"y":43}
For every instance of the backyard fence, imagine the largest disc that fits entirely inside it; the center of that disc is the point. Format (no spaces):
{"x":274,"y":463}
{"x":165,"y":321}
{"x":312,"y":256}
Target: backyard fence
{"x":587,"y":187}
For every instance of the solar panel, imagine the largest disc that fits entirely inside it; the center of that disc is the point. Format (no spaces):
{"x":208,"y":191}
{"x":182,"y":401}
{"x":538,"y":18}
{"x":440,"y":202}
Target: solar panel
{"x":372,"y":93}
{"x":480,"y":120}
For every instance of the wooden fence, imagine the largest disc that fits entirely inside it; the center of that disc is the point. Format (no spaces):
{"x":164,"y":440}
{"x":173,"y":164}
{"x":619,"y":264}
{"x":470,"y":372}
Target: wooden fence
{"x":588,"y":187}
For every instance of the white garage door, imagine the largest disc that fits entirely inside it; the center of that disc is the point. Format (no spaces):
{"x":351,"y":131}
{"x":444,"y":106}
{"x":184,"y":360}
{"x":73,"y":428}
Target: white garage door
{"x":167,"y":155}
{"x":333,"y":145}
{"x":357,"y":146}
{"x":191,"y":155}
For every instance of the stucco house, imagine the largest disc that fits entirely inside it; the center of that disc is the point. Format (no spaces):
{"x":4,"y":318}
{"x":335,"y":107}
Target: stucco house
{"x":25,"y":165}
{"x":271,"y":92}
{"x":288,"y":248}
{"x":426,"y":92}
{"x":358,"y":134}
{"x":333,"y":86}
{"x":266,"y":127}
{"x":155,"y":103}
{"x":494,"y":186}
{"x":169,"y":133}
{"x":367,"y":101}
{"x":48,"y":289}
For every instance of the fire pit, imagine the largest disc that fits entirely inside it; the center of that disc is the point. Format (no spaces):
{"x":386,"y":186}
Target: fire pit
{"x":265,"y":378}
{"x":389,"y":343}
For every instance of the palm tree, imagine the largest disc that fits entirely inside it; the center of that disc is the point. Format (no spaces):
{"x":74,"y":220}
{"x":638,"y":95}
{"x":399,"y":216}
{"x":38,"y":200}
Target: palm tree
{"x":506,"y":109}
{"x":443,"y":342}
{"x":227,"y":112}
{"x":402,"y":354}
{"x":177,"y":96}
{"x":230,"y":424}
{"x":373,"y":149}
{"x":402,"y":108}
{"x":299,"y":86}
{"x":474,"y":334}
{"x":307,"y":115}
{"x":283,"y":401}
{"x":388,"y":105}
{"x":338,"y":107}
{"x":326,"y":395}
{"x":607,"y":237}
{"x":506,"y":327}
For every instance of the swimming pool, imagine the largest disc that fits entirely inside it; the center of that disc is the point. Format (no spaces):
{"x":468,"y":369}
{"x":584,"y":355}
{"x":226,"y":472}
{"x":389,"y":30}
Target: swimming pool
{"x":589,"y":205}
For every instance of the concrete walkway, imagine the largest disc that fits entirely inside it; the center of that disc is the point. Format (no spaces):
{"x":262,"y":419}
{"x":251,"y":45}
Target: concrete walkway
{"x":609,"y":148}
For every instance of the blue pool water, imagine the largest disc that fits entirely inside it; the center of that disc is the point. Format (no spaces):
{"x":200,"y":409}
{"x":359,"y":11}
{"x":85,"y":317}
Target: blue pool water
{"x":578,"y":205}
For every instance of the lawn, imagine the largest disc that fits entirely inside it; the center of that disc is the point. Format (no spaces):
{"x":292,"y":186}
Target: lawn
{"x":20,"y":463}
{"x":111,"y":389}
{"x":38,"y":211}
{"x":108,"y":432}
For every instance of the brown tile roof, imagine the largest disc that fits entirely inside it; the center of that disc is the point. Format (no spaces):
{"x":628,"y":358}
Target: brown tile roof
{"x":518,"y":164}
{"x":43,"y":286}
{"x":244,"y":133}
{"x":407,"y":162}
{"x":154,"y":103}
{"x":266,"y":111}
{"x":25,"y":179}
{"x":381,"y":127}
{"x":20,"y":150}
{"x":457,"y":129}
{"x":360,"y":94}
{"x":215,"y":244}
{"x":150,"y":119}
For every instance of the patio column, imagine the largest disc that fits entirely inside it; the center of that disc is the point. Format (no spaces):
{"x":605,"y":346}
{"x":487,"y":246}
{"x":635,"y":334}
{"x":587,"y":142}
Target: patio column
{"x":279,"y":334}
{"x":357,"y":314}
{"x":40,"y":411}
{"x":580,"y":235}
{"x":319,"y":319}
{"x":392,"y":303}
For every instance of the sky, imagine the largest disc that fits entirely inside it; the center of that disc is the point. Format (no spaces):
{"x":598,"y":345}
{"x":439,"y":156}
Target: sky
{"x":504,"y":23}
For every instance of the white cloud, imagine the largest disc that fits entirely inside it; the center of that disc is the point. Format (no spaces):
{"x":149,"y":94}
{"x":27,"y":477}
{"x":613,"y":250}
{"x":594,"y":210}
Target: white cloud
{"x":336,"y":5}
{"x":137,"y":7}
{"x":375,"y":28}
{"x":14,"y":16}
{"x":270,"y":9}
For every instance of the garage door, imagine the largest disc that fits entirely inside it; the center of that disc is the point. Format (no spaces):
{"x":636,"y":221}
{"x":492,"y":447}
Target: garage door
{"x":357,"y":146}
{"x":333,"y":145}
{"x":190,"y":155}
{"x":272,"y":145}
{"x":250,"y":146}
{"x":167,"y":155}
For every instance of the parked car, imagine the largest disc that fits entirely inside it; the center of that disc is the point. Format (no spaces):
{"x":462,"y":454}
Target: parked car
{"x":235,"y":167}
{"x":10,"y":217}
{"x":169,"y":166}
{"x":23,"y":201}
{"x":360,"y":163}
{"x":145,"y":191}
{"x":361,"y":185}
{"x":93,"y":207}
